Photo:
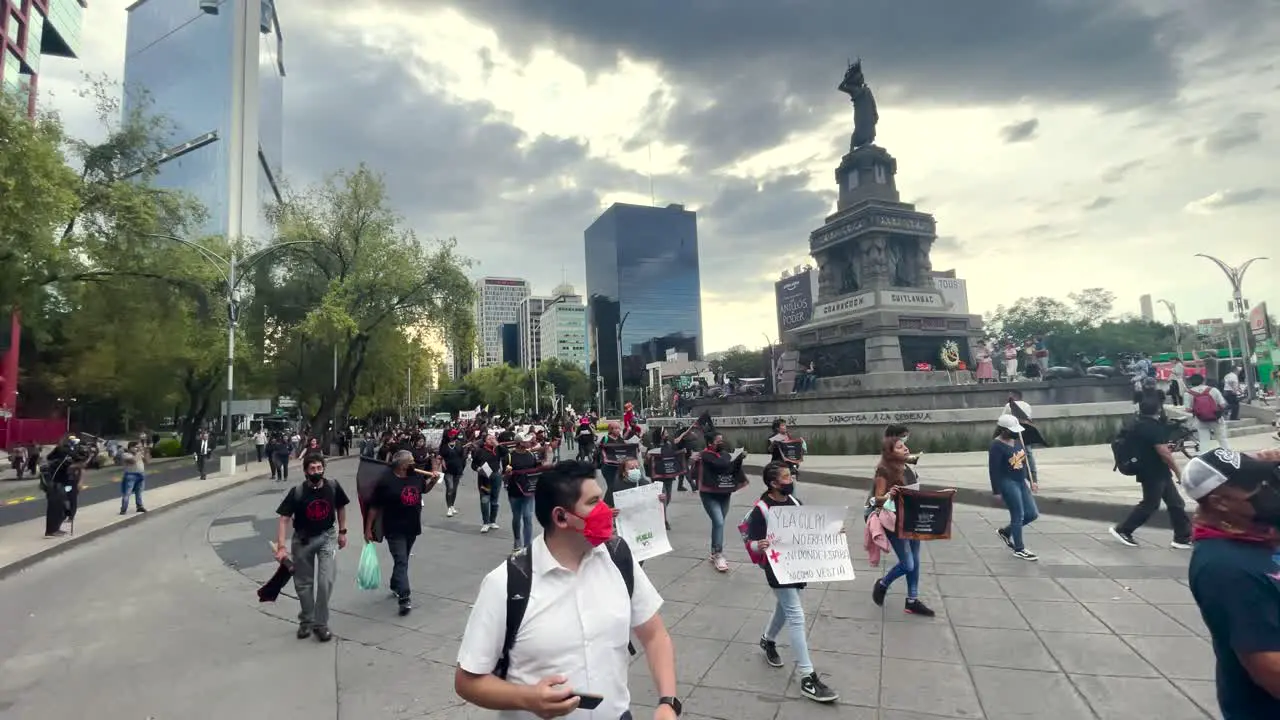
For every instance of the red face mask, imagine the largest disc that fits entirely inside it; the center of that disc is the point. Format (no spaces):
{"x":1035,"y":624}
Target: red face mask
{"x":597,"y":526}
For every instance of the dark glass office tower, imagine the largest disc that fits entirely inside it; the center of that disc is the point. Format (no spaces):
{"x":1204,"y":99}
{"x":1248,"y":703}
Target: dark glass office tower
{"x":642,"y":272}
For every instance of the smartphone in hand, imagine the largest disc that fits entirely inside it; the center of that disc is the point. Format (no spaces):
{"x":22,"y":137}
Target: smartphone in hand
{"x":587,"y":701}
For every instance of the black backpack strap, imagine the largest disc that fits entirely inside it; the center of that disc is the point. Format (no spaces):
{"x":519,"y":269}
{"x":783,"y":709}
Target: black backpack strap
{"x":519,"y":582}
{"x":620,"y":554}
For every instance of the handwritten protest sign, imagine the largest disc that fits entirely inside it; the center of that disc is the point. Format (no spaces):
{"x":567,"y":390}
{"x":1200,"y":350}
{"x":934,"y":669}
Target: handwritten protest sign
{"x":641,"y":521}
{"x":807,"y":544}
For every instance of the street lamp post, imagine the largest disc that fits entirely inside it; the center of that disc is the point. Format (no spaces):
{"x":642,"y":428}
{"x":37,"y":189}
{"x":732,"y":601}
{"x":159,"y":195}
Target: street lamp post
{"x":1177,"y":329}
{"x":227,"y":268}
{"x":1236,"y":277}
{"x":621,"y":323}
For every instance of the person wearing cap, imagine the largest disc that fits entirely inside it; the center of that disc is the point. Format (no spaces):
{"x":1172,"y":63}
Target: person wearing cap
{"x":1148,"y":439}
{"x":1007,"y":466}
{"x":1234,"y":575}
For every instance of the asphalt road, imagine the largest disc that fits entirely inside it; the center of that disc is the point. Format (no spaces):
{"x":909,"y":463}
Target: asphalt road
{"x":96,"y":493}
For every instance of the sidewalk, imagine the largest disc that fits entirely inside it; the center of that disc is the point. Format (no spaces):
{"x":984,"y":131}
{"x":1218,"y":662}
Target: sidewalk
{"x":1074,"y":481}
{"x":23,"y":544}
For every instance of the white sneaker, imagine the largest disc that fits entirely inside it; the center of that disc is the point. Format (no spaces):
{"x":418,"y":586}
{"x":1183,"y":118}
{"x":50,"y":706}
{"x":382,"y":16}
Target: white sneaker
{"x":1180,"y":545}
{"x":721,"y":564}
{"x":484,"y":528}
{"x":450,"y":512}
{"x":493,"y":526}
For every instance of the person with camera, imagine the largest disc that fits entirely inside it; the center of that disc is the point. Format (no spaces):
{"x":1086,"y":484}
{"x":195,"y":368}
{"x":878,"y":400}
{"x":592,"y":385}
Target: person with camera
{"x":60,"y":481}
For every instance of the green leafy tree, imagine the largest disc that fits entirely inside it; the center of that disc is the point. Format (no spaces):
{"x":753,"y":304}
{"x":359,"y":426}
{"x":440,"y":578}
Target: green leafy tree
{"x":566,"y":379}
{"x":1082,"y":328}
{"x":500,"y":387}
{"x":362,"y":272}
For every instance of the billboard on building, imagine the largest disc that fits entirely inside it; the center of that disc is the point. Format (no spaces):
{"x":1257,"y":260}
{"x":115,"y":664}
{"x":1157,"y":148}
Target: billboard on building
{"x":1260,"y":322}
{"x":1210,"y":327}
{"x":795,"y":296}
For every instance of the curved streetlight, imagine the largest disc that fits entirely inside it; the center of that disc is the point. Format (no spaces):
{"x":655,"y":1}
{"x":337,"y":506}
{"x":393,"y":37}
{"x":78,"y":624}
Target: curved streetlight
{"x":227,"y":267}
{"x":620,"y":324}
{"x":1235,"y":275}
{"x":1177,"y":329}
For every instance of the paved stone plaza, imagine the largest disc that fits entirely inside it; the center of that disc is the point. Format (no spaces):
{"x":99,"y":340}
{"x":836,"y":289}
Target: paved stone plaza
{"x":160,"y":620}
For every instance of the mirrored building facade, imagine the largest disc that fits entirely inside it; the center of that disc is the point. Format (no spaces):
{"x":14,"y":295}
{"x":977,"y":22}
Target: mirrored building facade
{"x":215,"y":70}
{"x":642,"y":273}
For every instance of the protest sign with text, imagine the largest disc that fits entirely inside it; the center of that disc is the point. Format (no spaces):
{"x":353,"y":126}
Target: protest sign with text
{"x":641,"y":521}
{"x":807,"y":544}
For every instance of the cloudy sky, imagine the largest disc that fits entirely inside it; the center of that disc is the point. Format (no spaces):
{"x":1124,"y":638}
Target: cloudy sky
{"x":1061,"y":144}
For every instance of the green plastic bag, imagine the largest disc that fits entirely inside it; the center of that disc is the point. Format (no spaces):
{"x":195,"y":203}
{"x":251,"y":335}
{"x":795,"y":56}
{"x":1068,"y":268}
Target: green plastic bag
{"x":369,"y":575}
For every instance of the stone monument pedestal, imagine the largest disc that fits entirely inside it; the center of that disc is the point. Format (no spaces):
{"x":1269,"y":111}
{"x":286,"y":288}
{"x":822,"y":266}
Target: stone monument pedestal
{"x":878,"y":316}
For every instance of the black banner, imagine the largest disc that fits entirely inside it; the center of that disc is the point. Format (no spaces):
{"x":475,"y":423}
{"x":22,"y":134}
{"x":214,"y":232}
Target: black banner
{"x":925,"y":514}
{"x":792,"y":450}
{"x":526,"y":479}
{"x":794,"y":296}
{"x":667,"y":464}
{"x":368,"y":475}
{"x":617,"y":453}
{"x":713,"y":482}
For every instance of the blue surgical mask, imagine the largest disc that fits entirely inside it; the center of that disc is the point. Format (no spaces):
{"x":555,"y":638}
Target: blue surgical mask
{"x":633,"y":474}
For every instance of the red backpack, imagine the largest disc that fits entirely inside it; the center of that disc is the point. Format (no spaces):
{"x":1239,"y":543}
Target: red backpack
{"x":1204,"y":407}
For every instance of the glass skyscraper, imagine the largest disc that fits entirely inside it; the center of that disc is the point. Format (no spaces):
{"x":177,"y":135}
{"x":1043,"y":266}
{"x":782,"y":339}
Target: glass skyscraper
{"x":215,"y":70}
{"x":642,"y":272}
{"x":29,"y":30}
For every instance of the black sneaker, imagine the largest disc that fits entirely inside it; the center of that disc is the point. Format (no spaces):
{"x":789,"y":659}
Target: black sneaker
{"x":771,"y":655}
{"x":813,"y":688}
{"x":141,"y":509}
{"x":1025,"y":554}
{"x":323,"y":634}
{"x":124,"y":512}
{"x":304,"y":632}
{"x":405,"y":607}
{"x":878,"y":592}
{"x":915,"y":606}
{"x":1126,"y":538}
{"x":1004,"y":535}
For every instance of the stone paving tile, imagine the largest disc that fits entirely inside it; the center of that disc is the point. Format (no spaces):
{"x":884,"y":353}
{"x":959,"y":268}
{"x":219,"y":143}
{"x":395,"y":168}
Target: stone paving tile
{"x":1060,"y":617}
{"x":1126,"y":698}
{"x":1136,"y":619}
{"x":925,"y":687}
{"x":1016,"y":649}
{"x":1177,"y":658}
{"x":1094,"y":654}
{"x":984,"y":613}
{"x":1006,"y":694}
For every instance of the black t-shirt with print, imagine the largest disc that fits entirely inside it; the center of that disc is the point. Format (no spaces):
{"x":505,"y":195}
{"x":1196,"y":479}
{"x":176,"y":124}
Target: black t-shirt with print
{"x":399,"y":501}
{"x":1237,"y":586}
{"x":314,"y":509}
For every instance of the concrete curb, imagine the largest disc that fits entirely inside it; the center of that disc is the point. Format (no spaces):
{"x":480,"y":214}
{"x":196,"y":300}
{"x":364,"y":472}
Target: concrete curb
{"x":1059,"y":506}
{"x":80,"y":538}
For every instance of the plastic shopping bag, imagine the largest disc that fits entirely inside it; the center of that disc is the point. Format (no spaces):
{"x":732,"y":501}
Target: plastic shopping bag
{"x":369,"y":575}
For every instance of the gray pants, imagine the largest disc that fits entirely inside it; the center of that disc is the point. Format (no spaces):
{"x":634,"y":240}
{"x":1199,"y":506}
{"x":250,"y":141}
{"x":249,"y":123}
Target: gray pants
{"x":314,"y":570}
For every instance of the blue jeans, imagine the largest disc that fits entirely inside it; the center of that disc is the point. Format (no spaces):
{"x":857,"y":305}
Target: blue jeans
{"x":717,"y":507}
{"x":1022,"y":508}
{"x":521,"y":520}
{"x":788,"y":611}
{"x":132,"y":483}
{"x":489,"y":501}
{"x":908,"y":552}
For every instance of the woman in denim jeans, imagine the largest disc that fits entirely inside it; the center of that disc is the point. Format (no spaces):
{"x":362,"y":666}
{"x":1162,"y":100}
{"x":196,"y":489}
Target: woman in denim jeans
{"x":717,"y":463}
{"x":787,"y":609}
{"x":890,"y":477}
{"x":1007,"y":464}
{"x":135,"y":478}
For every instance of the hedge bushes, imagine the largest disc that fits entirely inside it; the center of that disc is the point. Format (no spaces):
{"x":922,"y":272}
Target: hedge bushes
{"x":167,"y":448}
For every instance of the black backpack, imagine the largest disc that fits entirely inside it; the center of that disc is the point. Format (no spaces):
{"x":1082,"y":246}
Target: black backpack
{"x":1125,"y":452}
{"x":520,"y":581}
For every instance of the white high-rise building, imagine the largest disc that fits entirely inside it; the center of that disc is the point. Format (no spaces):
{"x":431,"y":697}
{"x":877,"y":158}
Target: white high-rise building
{"x":564,"y":328}
{"x":497,"y":303}
{"x":530,"y":324}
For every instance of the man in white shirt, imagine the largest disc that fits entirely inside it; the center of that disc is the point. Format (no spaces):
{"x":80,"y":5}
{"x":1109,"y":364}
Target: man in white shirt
{"x":204,"y":448}
{"x":1231,"y":391}
{"x":570,"y":650}
{"x":260,"y":442}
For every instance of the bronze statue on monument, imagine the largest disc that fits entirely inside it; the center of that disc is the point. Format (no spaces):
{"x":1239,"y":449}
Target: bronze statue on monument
{"x":865,"y":116}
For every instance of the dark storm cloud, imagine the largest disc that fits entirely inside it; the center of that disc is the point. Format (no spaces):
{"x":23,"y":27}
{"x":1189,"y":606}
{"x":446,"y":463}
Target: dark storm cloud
{"x":748,"y":74}
{"x":1244,"y":129}
{"x":1019,"y":131}
{"x":1116,"y":173}
{"x":1100,"y":202}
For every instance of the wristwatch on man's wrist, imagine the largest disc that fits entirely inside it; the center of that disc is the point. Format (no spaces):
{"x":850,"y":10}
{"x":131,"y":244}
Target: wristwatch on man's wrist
{"x":673,"y":703}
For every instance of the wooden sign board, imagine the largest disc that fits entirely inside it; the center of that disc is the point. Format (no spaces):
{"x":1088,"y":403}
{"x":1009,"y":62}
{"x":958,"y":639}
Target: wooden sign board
{"x":925,"y":514}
